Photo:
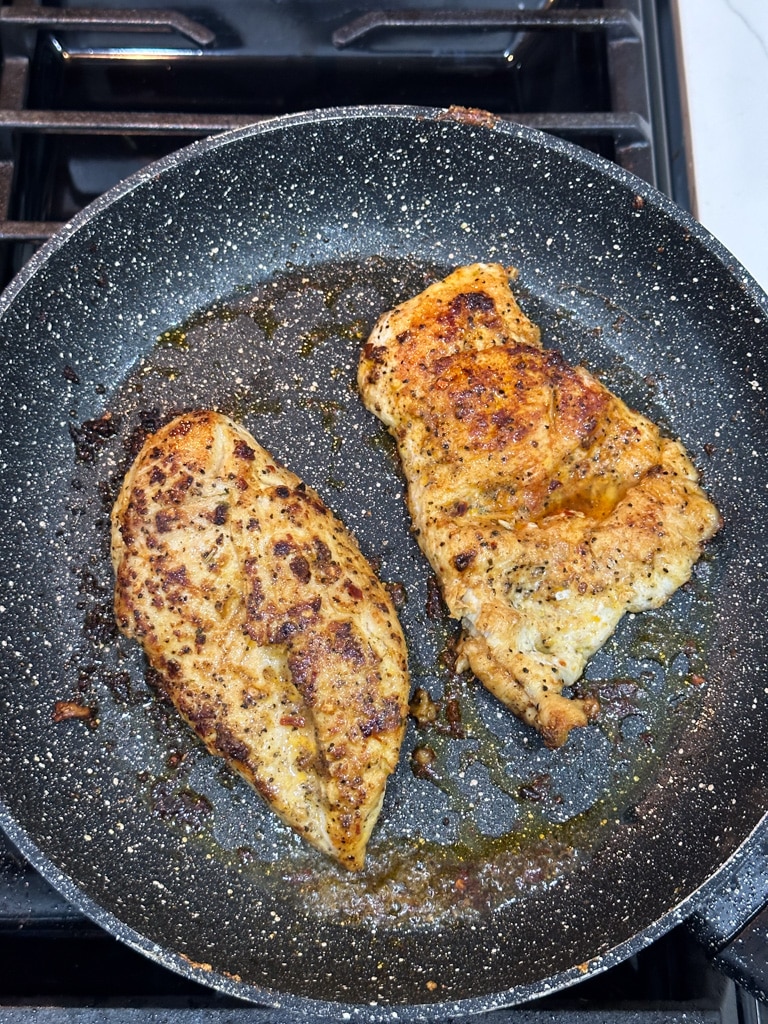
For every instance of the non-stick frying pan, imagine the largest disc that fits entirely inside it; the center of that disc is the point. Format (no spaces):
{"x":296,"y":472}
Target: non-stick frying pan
{"x":244,"y":273}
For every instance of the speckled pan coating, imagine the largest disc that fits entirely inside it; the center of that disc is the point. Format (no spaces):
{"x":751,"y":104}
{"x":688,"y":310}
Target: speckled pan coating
{"x":376,"y":200}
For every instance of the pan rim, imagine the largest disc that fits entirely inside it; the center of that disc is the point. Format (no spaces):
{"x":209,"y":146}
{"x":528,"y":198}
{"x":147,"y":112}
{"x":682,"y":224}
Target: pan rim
{"x":372,"y":1013}
{"x":105,"y":918}
{"x":383,"y":112}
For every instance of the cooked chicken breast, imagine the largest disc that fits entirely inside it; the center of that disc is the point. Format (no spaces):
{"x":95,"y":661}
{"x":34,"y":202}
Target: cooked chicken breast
{"x":269,"y":630}
{"x":547,"y":508}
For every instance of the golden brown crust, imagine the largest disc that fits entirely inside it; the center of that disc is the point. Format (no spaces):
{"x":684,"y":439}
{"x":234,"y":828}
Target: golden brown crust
{"x":546,"y":507}
{"x":269,"y":630}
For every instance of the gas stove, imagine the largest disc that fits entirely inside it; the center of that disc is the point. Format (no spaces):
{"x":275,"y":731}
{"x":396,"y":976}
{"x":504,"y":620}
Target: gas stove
{"x":89,"y":96}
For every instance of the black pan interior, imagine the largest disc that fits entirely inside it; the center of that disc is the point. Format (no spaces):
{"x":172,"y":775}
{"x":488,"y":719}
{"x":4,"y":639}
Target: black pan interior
{"x":244,"y":274}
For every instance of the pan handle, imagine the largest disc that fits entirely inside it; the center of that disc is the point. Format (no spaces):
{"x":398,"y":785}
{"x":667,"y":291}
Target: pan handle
{"x":731,"y":916}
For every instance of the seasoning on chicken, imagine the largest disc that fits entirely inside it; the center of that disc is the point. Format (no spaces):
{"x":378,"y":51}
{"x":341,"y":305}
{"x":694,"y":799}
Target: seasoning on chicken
{"x":545,"y":505}
{"x":269,"y":630}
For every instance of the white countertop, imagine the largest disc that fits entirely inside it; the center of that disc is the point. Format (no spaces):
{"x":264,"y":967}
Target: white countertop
{"x":723,"y":45}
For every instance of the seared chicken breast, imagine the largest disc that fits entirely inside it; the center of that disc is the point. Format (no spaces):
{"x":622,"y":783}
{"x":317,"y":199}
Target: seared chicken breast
{"x":545,"y":505}
{"x":268,"y":629}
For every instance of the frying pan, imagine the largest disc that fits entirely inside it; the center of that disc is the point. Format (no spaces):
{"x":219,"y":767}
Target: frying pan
{"x":244,"y":273}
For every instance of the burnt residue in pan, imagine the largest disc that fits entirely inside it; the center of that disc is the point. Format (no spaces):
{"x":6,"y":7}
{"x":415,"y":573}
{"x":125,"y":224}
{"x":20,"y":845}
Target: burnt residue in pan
{"x":479,"y":813}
